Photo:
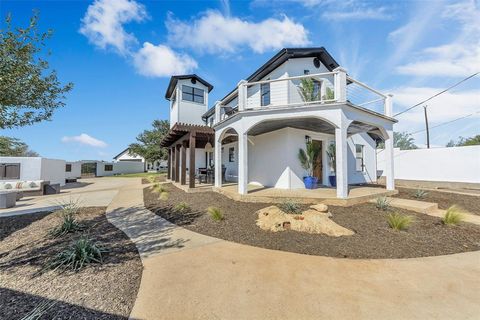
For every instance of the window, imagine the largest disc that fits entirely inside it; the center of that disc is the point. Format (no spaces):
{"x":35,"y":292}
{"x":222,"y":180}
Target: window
{"x":193,"y":94}
{"x":359,"y":161}
{"x":68,"y":167}
{"x":231,"y":154}
{"x":109,"y":167}
{"x":305,"y":72}
{"x":265,"y":94}
{"x":9,"y":171}
{"x":317,"y":86}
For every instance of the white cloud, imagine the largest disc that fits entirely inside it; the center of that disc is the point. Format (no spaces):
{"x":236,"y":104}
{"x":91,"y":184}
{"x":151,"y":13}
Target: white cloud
{"x":358,"y":13}
{"x":104,"y":20}
{"x":161,"y":61}
{"x":216,"y":33}
{"x":458,"y":58}
{"x":85,"y":139}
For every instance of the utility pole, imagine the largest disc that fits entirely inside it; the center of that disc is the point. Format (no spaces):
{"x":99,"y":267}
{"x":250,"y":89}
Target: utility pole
{"x":426,"y":126}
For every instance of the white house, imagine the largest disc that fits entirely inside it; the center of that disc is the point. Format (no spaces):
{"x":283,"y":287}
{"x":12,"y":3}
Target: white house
{"x":256,"y":130}
{"x":126,"y":155}
{"x":32,"y":169}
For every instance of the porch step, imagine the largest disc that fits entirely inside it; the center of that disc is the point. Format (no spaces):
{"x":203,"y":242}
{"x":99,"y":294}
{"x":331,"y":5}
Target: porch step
{"x":412,"y":205}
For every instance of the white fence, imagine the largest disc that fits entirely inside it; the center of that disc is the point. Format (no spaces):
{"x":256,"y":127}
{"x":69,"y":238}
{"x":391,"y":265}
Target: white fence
{"x":456,"y":164}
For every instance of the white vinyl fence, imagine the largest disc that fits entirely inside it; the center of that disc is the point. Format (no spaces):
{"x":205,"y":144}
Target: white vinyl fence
{"x":456,"y":164}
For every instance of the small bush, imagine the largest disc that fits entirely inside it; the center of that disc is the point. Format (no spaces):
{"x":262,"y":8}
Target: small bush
{"x":182,"y":207}
{"x":290,"y":206}
{"x":383,"y":203}
{"x":151,"y":179}
{"x":69,"y":207}
{"x":453,"y":216}
{"x":164,"y":196}
{"x":215,"y":213}
{"x":158,"y":188}
{"x":399,"y":222}
{"x":77,"y":255}
{"x":420,"y":194}
{"x":68,"y":225}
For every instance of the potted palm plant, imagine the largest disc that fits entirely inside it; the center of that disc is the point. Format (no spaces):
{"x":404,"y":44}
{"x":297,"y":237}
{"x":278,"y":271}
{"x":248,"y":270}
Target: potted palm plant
{"x":331,"y":153}
{"x":308,"y":160}
{"x":307,"y":90}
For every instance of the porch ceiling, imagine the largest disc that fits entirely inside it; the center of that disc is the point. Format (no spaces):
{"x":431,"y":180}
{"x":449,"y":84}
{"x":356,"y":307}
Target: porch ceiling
{"x":180,"y":132}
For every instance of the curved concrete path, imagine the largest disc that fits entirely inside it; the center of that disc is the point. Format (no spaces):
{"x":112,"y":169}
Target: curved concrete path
{"x":191,"y":276}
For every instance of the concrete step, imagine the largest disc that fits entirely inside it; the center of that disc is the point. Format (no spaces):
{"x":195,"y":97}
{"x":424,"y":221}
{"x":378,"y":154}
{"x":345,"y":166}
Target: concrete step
{"x":412,"y":205}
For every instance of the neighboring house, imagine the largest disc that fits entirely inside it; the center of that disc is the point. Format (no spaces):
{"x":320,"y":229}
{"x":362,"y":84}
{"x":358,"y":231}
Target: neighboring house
{"x":32,"y":169}
{"x":95,"y":168}
{"x":256,"y":130}
{"x":126,"y":155}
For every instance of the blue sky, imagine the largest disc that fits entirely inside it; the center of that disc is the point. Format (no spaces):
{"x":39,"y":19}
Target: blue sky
{"x":120,"y":53}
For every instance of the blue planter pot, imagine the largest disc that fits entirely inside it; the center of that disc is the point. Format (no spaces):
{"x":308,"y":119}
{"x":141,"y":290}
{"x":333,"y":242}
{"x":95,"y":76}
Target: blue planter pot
{"x":310,"y":182}
{"x":332,"y":180}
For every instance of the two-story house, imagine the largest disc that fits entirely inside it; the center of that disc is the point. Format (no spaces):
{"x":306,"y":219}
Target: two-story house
{"x":255,"y":132}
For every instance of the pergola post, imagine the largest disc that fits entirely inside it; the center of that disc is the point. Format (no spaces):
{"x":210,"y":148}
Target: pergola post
{"x":183,"y":177}
{"x":218,"y":160}
{"x":169,"y":164}
{"x":177,"y":163}
{"x":174,"y":174}
{"x":389,"y":167}
{"x":341,"y":161}
{"x":191,"y":166}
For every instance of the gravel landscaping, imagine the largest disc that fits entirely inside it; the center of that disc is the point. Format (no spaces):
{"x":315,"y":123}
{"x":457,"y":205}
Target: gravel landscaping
{"x":373,"y":238}
{"x":444,"y":199}
{"x":99,"y":291}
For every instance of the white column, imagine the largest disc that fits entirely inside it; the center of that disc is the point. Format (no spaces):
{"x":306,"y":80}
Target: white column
{"x":340,"y":84}
{"x":242,"y":163}
{"x":341,"y":161}
{"x":389,"y":105}
{"x":389,"y":173}
{"x":218,"y":107}
{"x":242,"y":95}
{"x":218,"y":160}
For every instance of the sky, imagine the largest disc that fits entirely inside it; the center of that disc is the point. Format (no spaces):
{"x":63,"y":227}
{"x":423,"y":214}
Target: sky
{"x":120,"y":54}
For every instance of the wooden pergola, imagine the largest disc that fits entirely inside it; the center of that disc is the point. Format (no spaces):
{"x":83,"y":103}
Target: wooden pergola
{"x":180,"y":137}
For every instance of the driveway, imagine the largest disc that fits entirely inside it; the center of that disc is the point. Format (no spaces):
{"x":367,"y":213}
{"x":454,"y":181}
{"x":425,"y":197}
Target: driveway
{"x":190,"y":276}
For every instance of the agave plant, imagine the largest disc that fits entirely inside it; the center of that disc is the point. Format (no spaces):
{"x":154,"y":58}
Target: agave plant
{"x":308,"y":157}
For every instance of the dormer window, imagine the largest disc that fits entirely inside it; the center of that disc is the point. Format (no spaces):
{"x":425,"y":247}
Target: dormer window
{"x":193,"y":94}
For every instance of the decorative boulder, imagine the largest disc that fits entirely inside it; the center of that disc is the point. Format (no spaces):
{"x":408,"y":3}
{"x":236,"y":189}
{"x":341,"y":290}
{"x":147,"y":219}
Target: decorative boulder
{"x":320,"y":207}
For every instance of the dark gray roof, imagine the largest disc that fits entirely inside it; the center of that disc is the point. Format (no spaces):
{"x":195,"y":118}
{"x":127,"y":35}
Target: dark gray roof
{"x":174,"y":80}
{"x":283,"y":55}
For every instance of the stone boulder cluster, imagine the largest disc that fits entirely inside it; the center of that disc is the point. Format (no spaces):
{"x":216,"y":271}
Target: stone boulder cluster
{"x":316,"y":219}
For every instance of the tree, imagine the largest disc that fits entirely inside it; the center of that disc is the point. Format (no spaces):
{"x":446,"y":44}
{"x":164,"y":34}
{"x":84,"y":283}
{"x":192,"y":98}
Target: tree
{"x":472,"y":141}
{"x":402,"y":140}
{"x":30,"y":91}
{"x":13,"y":147}
{"x":148,"y":145}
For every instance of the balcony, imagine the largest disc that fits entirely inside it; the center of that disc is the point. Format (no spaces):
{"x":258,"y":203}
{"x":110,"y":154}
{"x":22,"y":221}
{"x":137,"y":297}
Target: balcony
{"x":313,"y":89}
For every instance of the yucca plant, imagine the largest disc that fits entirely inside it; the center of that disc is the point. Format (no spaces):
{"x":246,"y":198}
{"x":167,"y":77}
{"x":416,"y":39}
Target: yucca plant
{"x":399,"y":222}
{"x":68,"y":225}
{"x":164,"y":196}
{"x":80,"y":253}
{"x":70,"y":207}
{"x":291,"y":207}
{"x":420,"y":194}
{"x":182,"y":207}
{"x":215,"y":213}
{"x":39,"y":310}
{"x":382,"y":203}
{"x":453,"y":216}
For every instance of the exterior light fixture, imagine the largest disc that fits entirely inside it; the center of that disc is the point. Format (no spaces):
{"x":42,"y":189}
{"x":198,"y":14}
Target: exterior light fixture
{"x":308,"y":139}
{"x":208,"y":147}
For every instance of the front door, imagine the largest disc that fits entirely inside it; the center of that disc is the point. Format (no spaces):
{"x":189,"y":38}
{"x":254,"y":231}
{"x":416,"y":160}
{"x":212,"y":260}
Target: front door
{"x":318,"y":169}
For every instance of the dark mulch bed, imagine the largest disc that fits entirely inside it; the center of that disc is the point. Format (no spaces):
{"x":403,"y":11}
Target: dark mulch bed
{"x":373,"y":238}
{"x":106,"y":291}
{"x":158,"y":178}
{"x":445,"y":199}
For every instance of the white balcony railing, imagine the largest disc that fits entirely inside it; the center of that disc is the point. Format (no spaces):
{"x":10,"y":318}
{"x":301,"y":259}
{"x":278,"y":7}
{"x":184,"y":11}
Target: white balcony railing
{"x":312,"y":89}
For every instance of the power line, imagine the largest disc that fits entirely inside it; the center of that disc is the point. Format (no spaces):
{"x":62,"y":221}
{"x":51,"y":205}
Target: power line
{"x":444,"y":123}
{"x":436,"y":95}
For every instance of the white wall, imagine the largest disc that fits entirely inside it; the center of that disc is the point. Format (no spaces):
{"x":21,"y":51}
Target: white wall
{"x":119,"y":168}
{"x":76,"y":170}
{"x":191,"y":112}
{"x":199,"y":159}
{"x":370,"y":173}
{"x":128,"y":156}
{"x":456,"y":164}
{"x":37,"y":168}
{"x":53,"y":170}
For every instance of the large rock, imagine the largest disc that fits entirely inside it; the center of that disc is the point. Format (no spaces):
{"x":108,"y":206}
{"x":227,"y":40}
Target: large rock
{"x":320,"y":207}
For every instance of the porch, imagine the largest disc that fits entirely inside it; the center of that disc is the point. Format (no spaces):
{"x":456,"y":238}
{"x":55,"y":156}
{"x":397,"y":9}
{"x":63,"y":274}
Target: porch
{"x":256,"y":193}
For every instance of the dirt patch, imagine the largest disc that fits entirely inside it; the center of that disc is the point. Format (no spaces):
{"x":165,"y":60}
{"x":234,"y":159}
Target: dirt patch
{"x":106,"y":291}
{"x":158,"y":178}
{"x":372,"y":239}
{"x":444,"y":199}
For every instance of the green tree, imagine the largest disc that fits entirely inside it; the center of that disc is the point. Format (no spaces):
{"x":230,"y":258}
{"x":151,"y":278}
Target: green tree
{"x":30,"y":90}
{"x":13,"y":147}
{"x":472,"y":141}
{"x":402,"y":140}
{"x":148,"y":145}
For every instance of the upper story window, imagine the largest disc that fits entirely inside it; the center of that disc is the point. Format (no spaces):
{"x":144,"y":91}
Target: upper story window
{"x":359,"y":158}
{"x":193,"y":94}
{"x":68,"y":167}
{"x":265,"y":94}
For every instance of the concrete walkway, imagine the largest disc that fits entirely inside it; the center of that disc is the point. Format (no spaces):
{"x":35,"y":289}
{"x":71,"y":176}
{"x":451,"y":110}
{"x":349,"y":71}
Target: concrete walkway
{"x":190,"y":276}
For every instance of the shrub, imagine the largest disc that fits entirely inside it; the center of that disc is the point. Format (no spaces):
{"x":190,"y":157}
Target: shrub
{"x":383,"y":203}
{"x":77,"y":255}
{"x":164,"y":196}
{"x":420,"y":194}
{"x":158,"y":188}
{"x":215,"y":213}
{"x":151,"y":179}
{"x":69,"y":207}
{"x":289,"y":206}
{"x":453,"y":216}
{"x":399,"y":222}
{"x":68,"y":225}
{"x":182,"y":207}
